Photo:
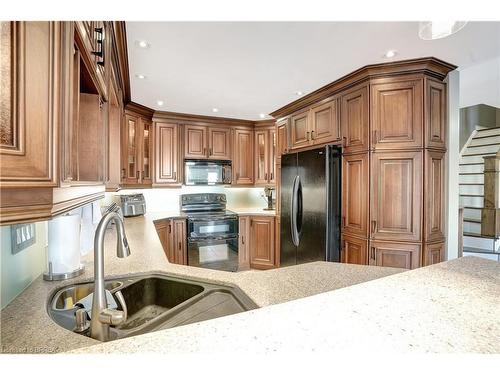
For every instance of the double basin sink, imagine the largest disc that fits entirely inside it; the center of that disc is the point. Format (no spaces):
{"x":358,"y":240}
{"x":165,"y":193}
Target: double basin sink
{"x":153,"y":302}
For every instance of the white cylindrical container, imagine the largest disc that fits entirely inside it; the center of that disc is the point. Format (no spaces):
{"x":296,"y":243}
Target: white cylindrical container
{"x":63,"y":255}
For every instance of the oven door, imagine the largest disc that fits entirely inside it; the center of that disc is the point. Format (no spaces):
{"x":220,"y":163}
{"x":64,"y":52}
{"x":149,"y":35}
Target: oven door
{"x":203,"y":172}
{"x":214,"y":228}
{"x":216,"y":254}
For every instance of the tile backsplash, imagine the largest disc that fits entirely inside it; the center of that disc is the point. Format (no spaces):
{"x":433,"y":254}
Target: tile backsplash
{"x":168,"y":199}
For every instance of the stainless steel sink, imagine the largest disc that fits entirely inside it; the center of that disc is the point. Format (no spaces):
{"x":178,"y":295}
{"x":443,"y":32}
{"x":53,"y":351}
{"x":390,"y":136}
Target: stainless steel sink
{"x":154,"y":302}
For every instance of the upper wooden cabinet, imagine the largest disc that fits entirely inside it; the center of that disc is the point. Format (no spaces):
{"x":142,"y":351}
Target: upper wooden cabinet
{"x":325,"y":122}
{"x":435,"y":114}
{"x":355,"y":193}
{"x":243,"y":159}
{"x":354,"y":119}
{"x":265,"y":151}
{"x":282,"y":138}
{"x":396,"y":196}
{"x":300,"y":132}
{"x":202,"y":142}
{"x":167,"y":154}
{"x":57,"y":117}
{"x":137,"y":149}
{"x":396,"y":110}
{"x":262,"y":252}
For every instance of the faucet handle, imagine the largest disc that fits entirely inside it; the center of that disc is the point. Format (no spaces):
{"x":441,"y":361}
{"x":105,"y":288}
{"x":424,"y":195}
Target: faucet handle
{"x":114,"y":317}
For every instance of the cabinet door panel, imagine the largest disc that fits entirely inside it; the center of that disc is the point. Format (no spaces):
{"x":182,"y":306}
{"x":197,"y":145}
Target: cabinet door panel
{"x":354,"y":250}
{"x":261,"y":156}
{"x":282,"y":141}
{"x":179,"y":241}
{"x":131,"y":149}
{"x":324,"y":123}
{"x":433,"y":253}
{"x":195,"y":142}
{"x":354,"y":120}
{"x":396,"y":196}
{"x":355,"y":194}
{"x":146,"y":152}
{"x":435,"y":114}
{"x":397,"y":115}
{"x":243,"y":158}
{"x":166,"y":153}
{"x":243,"y":243}
{"x":272,"y":156}
{"x":435,"y":204}
{"x":219,"y":143}
{"x":299,"y":130}
{"x":262,"y":254}
{"x":395,"y":255}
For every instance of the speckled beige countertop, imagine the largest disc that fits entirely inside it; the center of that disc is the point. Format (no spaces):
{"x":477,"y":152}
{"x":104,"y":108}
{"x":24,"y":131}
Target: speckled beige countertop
{"x":27,"y":328}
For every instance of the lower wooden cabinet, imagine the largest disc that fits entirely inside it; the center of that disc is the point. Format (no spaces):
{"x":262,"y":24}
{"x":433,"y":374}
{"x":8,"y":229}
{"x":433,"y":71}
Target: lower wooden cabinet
{"x":354,"y":250}
{"x":389,"y":254}
{"x":243,"y":243}
{"x":433,"y":253}
{"x":172,"y":234}
{"x":262,"y":245}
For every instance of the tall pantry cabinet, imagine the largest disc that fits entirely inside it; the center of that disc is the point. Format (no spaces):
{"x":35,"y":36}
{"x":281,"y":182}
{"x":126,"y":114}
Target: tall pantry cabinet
{"x":393,"y":137}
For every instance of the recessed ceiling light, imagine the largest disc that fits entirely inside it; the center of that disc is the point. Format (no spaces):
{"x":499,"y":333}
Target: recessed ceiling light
{"x":140,"y":76}
{"x":299,"y":93}
{"x":215,"y":109}
{"x":142,"y":43}
{"x":390,"y":53}
{"x":262,"y":115}
{"x":159,"y":102}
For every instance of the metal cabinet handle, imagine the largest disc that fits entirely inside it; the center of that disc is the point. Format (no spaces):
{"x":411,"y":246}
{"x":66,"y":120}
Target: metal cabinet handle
{"x":265,"y":176}
{"x":344,"y":142}
{"x":138,"y":175}
{"x":272,"y":176}
{"x":375,"y":139}
{"x":242,"y":240}
{"x":169,"y":228}
{"x":343,"y":221}
{"x":210,"y":152}
{"x":373,"y":252}
{"x":175,"y":175}
{"x":307,"y":133}
{"x":374,"y":226}
{"x":312,"y":134}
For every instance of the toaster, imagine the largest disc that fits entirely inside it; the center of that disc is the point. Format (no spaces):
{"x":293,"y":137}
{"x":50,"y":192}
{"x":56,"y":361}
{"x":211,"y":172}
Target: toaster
{"x":133,"y":205}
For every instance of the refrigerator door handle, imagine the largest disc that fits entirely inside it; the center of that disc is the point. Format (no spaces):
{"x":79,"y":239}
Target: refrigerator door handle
{"x":293,"y":211}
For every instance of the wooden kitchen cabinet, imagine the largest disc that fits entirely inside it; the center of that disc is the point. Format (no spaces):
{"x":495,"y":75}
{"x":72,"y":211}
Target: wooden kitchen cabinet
{"x":243,"y":243}
{"x":354,"y":250}
{"x":243,"y":159}
{"x":202,"y":142}
{"x":137,"y":164}
{"x":390,"y":254}
{"x":282,"y":138}
{"x":396,"y":111}
{"x":265,"y":156}
{"x":435,"y":114}
{"x":433,"y":253}
{"x":262,"y":241}
{"x":164,"y":231}
{"x":325,"y":122}
{"x":434,"y":208}
{"x":167,"y":154}
{"x":396,"y":196}
{"x":172,"y":235}
{"x":354,"y":119}
{"x":355,"y":194}
{"x":300,"y":132}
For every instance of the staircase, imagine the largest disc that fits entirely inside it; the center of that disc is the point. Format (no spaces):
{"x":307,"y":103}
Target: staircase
{"x":483,"y":142}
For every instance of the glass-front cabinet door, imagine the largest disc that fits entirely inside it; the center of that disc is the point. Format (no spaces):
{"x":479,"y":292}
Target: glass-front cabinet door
{"x":146,"y":152}
{"x":130,"y":168}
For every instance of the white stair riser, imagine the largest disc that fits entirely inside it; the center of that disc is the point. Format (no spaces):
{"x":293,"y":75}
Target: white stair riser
{"x":471,"y":178}
{"x":485,"y":141}
{"x":481,"y":150}
{"x":471,"y":201}
{"x":484,"y":133}
{"x":482,"y":243}
{"x":464,"y":159}
{"x":470,"y":213}
{"x":472,"y":227}
{"x":471,"y":189}
{"x":474,"y":168}
{"x":485,"y":256}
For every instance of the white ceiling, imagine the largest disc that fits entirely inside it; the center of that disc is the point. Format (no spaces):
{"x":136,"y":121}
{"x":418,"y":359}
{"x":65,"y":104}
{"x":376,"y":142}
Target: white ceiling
{"x":248,"y":68}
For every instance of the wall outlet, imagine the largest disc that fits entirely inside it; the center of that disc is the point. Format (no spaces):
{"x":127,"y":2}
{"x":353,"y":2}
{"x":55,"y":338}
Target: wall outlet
{"x":22,"y":236}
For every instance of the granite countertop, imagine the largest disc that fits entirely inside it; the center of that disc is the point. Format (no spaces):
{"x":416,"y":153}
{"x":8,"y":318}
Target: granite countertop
{"x":254,"y":211}
{"x":27,"y":328}
{"x":451,"y":307}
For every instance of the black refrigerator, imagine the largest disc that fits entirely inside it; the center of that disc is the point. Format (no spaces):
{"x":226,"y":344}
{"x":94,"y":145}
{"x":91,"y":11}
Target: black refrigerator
{"x":310,"y":206}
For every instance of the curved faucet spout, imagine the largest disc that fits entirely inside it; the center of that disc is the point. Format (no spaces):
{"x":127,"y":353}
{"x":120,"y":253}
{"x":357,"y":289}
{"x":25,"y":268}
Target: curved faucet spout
{"x":102,"y":317}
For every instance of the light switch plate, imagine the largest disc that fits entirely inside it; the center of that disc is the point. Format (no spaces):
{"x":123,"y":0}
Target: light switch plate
{"x":22,"y":236}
